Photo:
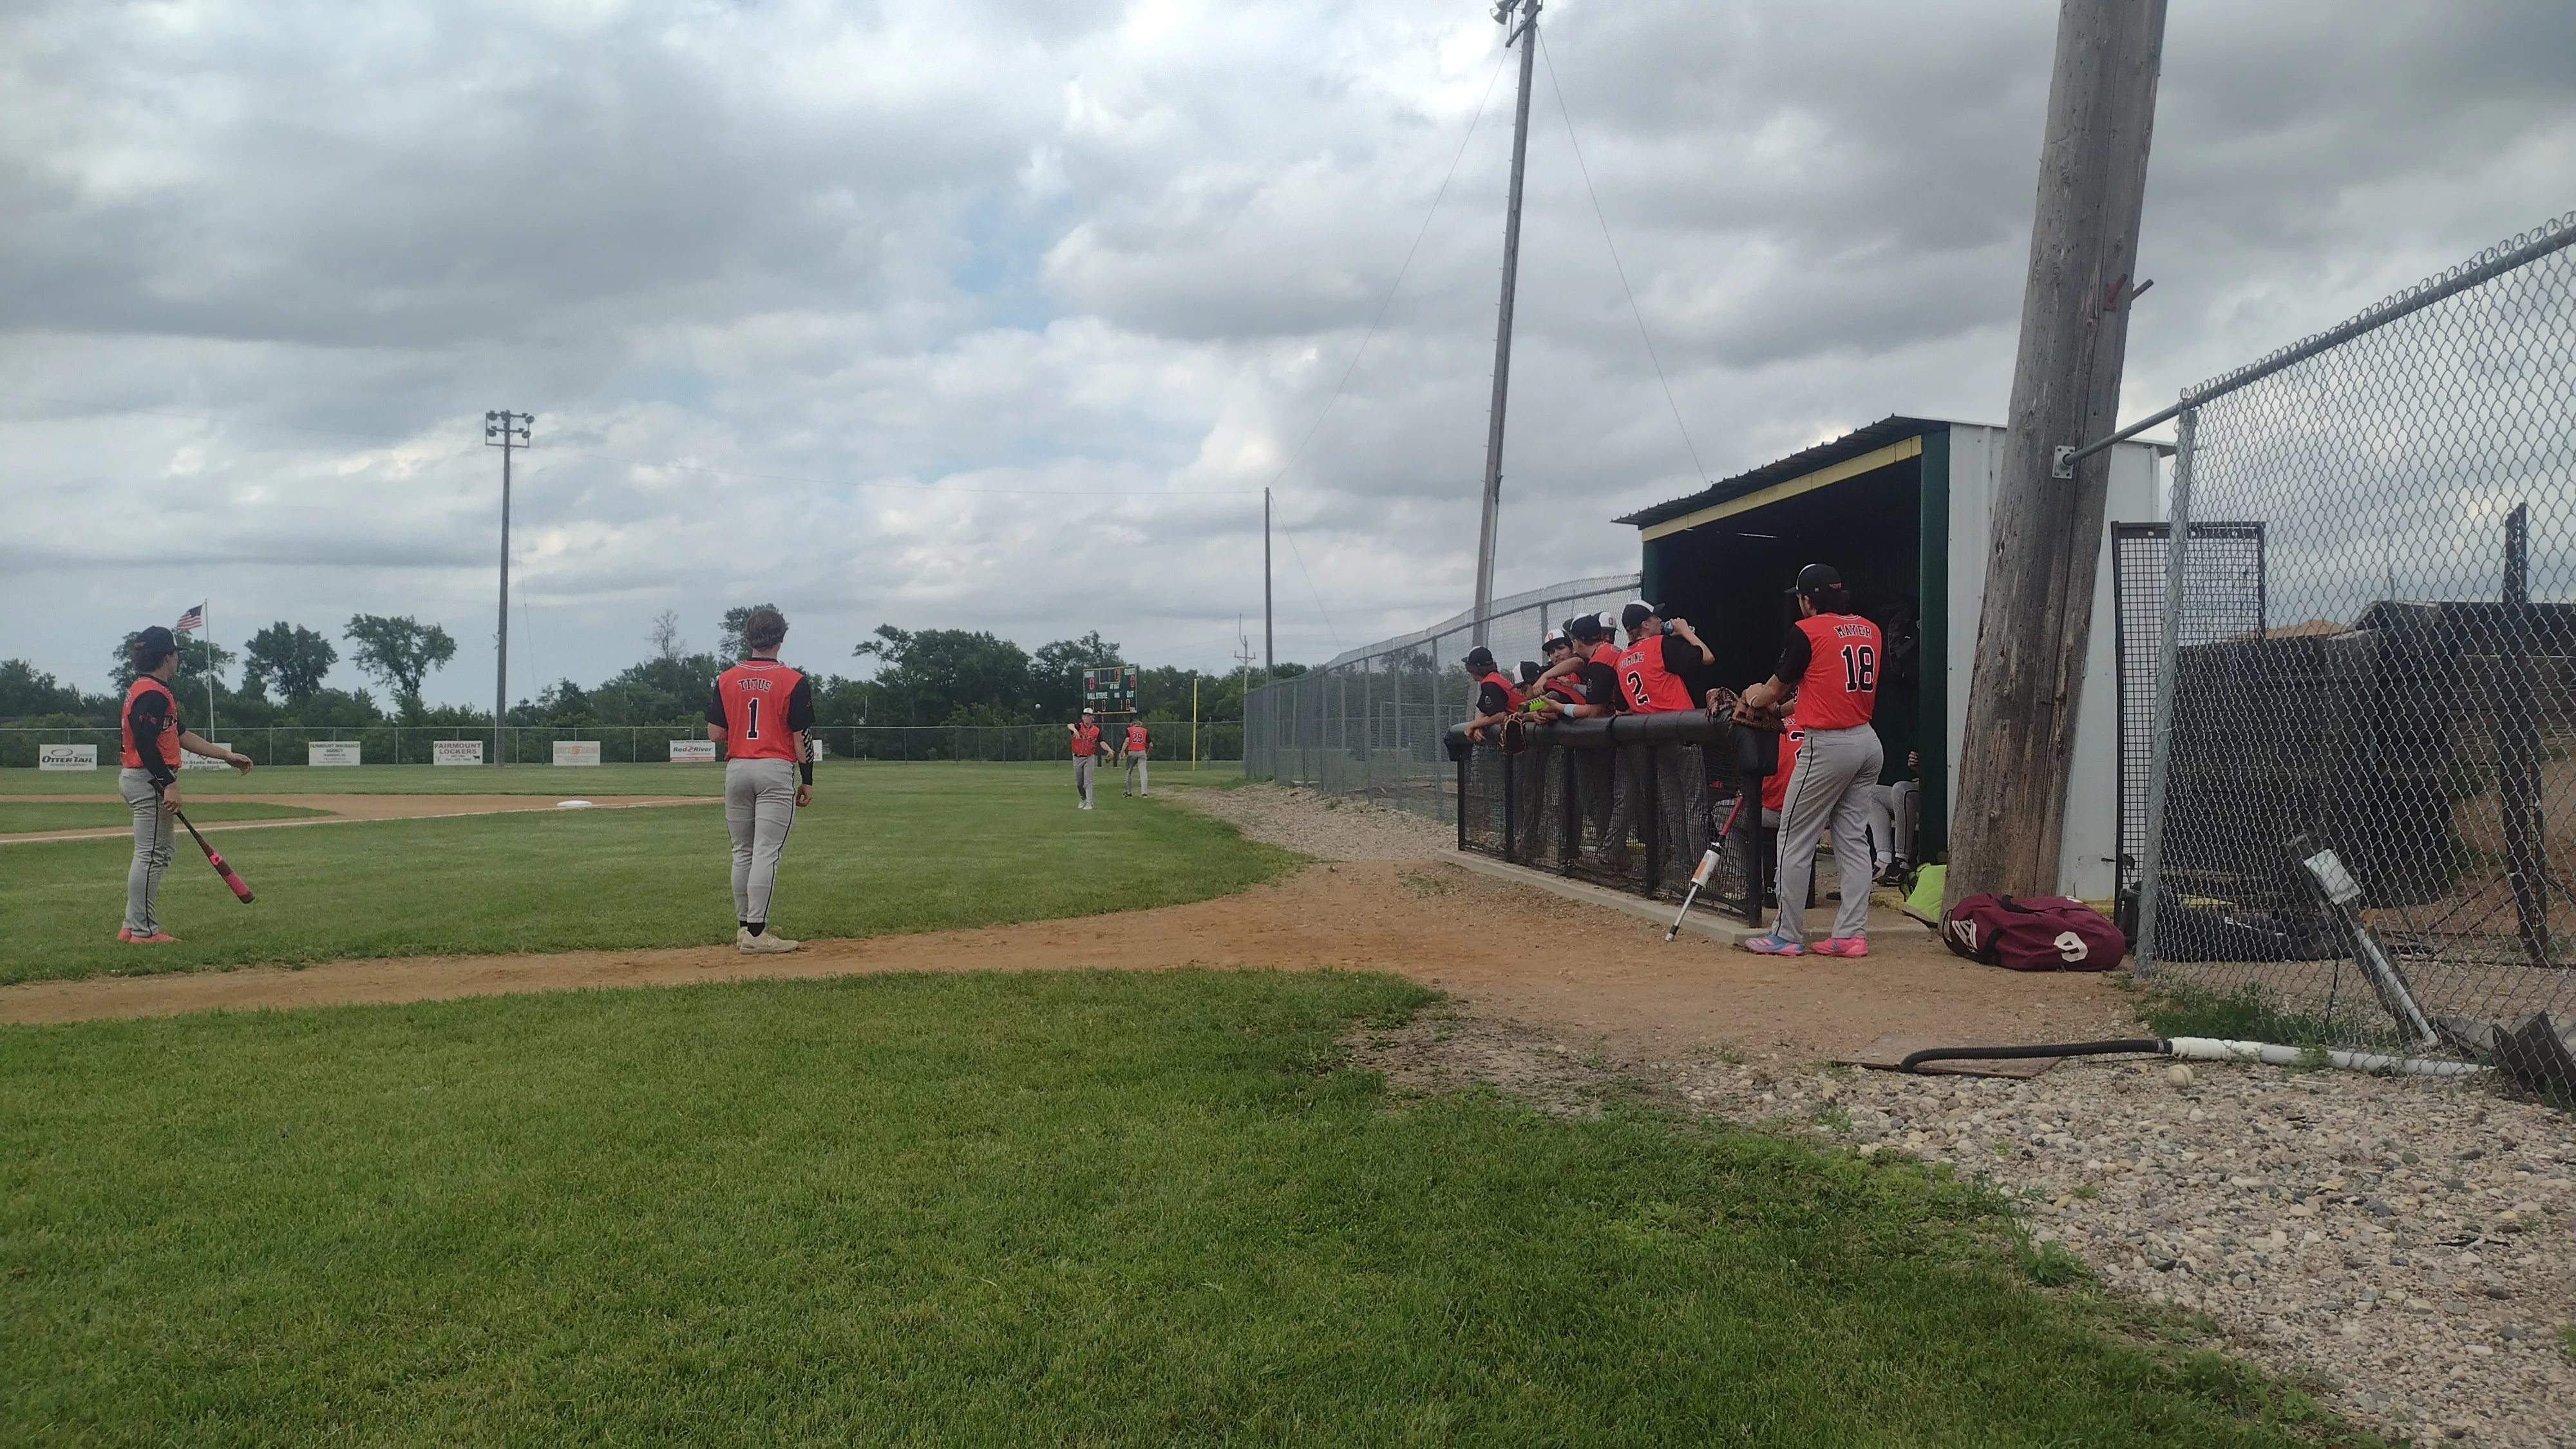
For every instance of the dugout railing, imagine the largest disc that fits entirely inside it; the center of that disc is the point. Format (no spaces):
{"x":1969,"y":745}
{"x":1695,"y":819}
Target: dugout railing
{"x":1629,"y":802}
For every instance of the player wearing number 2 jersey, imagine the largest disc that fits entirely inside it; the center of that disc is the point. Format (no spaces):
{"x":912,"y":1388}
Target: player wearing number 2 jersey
{"x":1831,"y":658}
{"x":760,"y":714}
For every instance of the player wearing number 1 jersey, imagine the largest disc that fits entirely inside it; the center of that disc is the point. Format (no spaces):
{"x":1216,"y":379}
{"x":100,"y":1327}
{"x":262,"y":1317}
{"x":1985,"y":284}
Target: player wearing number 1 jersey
{"x":760,"y":714}
{"x":1831,"y":659}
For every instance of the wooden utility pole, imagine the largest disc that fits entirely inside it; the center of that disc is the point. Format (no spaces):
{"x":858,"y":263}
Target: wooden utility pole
{"x":2046,"y":543}
{"x":1526,"y":36}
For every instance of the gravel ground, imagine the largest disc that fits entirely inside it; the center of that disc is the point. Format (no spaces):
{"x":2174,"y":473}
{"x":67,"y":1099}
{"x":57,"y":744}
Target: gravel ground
{"x":1324,"y":826}
{"x":2405,"y":1248}
{"x":2412,"y":1245}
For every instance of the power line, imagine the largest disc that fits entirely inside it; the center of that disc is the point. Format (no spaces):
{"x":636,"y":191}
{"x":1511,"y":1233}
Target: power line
{"x":1418,"y":234}
{"x":1310,"y":585}
{"x":1698,"y":469}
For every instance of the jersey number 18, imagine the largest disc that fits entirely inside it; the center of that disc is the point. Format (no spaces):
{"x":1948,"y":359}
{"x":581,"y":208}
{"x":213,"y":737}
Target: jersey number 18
{"x":1860,"y":669}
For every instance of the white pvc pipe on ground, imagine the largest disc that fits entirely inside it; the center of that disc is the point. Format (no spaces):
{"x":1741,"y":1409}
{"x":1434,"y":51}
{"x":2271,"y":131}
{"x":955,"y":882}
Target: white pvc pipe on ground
{"x":2212,"y":1049}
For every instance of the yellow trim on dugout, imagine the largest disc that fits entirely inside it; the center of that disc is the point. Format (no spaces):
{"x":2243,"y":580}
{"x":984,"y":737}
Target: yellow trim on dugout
{"x":1896,"y":452}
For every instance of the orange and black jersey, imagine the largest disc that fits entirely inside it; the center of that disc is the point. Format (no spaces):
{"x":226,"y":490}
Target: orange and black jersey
{"x":761,"y":705}
{"x":150,"y":728}
{"x":1496,"y":695}
{"x":1832,"y":661}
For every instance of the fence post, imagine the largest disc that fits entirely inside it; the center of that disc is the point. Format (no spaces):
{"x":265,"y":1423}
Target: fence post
{"x":2151,"y":860}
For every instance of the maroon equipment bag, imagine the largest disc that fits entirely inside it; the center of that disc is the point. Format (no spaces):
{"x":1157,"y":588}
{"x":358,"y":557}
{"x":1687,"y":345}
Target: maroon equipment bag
{"x":2033,"y":933}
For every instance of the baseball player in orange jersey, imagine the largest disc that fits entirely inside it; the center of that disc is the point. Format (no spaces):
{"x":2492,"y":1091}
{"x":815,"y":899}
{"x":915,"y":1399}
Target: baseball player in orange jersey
{"x":1649,"y":678}
{"x":1139,"y":740}
{"x":1831,"y":661}
{"x":760,"y":713}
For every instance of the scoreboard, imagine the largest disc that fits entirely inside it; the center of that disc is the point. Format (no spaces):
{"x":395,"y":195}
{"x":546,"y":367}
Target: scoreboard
{"x":1110,"y":689}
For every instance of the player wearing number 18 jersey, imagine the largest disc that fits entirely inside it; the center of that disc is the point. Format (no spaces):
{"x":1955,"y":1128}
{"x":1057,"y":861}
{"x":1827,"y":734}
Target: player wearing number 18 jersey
{"x":1831,"y":658}
{"x":760,"y":714}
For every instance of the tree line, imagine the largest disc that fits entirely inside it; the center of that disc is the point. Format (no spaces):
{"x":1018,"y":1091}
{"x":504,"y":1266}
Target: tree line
{"x":915,"y":677}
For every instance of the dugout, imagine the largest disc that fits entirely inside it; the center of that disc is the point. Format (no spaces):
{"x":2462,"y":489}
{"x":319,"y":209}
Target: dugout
{"x":1900,"y":508}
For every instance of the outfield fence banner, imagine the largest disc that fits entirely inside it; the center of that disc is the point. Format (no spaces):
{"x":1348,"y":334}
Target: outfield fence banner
{"x":67,"y":757}
{"x":191,"y":760}
{"x":693,"y":752}
{"x":2360,"y":802}
{"x":1369,"y":723}
{"x":339,"y":754}
{"x":1220,"y":743}
{"x":576,"y":752}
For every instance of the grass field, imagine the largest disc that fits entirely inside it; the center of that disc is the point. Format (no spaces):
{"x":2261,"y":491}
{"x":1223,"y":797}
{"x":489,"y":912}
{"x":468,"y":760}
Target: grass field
{"x":18,"y":815}
{"x":534,"y":779}
{"x":884,"y":849}
{"x":1038,"y":1209}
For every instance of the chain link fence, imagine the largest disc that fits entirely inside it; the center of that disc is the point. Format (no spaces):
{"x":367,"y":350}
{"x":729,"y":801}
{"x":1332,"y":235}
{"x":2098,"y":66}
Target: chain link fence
{"x":2360,"y":812}
{"x":1175,"y":743}
{"x":1368,"y":724}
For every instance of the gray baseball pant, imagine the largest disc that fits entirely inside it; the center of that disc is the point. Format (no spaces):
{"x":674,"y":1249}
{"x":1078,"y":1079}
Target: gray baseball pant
{"x":1893,"y":819}
{"x":1083,"y":768}
{"x":760,"y":808}
{"x":1138,"y":781}
{"x":152,"y":838}
{"x":1829,"y":787}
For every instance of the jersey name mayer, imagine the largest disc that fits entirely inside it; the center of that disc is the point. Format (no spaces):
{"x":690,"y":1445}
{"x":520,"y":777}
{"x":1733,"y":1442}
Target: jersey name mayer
{"x":1840,"y":689}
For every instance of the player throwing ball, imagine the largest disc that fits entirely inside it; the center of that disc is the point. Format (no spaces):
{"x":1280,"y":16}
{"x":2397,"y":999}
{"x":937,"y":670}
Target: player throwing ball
{"x":760,"y":715}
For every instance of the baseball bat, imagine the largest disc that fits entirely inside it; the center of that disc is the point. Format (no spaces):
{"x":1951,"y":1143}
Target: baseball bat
{"x":1707,"y":867}
{"x":240,"y":887}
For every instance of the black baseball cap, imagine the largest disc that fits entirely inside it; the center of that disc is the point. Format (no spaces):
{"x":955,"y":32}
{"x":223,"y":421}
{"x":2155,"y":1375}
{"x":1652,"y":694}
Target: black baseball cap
{"x":1816,"y":579}
{"x":1632,"y":615}
{"x":1479,"y":658}
{"x":1589,"y":626}
{"x":1554,"y":637}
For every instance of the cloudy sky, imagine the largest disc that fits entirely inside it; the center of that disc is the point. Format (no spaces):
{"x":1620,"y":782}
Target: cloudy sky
{"x":1000,"y":313}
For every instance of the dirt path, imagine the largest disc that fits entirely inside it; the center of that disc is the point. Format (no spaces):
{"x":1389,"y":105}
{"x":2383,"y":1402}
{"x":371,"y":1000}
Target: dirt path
{"x":1502,"y":948}
{"x":342,"y":809}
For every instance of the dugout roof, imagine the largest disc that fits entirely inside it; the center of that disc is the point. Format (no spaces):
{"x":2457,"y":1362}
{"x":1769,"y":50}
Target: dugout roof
{"x":1853,"y":448}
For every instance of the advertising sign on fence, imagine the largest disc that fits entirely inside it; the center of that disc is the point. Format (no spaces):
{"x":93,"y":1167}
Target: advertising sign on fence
{"x":331,"y":752}
{"x":693,"y":752}
{"x":66,"y":757}
{"x":576,"y":752}
{"x":820,"y":749}
{"x":456,"y":752}
{"x":191,"y":760}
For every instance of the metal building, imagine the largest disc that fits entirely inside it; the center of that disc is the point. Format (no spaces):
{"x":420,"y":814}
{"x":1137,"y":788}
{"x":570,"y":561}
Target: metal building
{"x":1900,"y":508}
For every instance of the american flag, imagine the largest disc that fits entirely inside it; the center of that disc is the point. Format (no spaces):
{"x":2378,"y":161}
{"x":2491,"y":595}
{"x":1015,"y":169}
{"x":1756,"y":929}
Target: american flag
{"x":193,"y":619}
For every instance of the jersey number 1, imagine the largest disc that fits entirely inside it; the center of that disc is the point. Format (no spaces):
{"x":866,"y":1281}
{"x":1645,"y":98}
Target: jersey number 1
{"x":751,"y":707}
{"x":1860,"y":669}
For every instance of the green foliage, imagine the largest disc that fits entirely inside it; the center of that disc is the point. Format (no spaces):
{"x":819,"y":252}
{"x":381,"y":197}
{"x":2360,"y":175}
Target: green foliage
{"x":27,"y":693}
{"x":1045,"y":1208}
{"x":948,"y":676}
{"x":295,"y":657}
{"x":195,"y":653}
{"x":2567,"y":1340}
{"x":399,"y":651}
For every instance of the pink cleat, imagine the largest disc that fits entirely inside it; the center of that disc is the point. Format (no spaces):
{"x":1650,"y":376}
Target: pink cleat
{"x":1769,"y":945}
{"x":124,"y":933}
{"x":1844,"y":946}
{"x":157,"y":938}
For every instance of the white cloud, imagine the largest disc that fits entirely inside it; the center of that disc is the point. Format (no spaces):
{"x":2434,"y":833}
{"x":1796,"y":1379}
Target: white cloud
{"x":999,"y":314}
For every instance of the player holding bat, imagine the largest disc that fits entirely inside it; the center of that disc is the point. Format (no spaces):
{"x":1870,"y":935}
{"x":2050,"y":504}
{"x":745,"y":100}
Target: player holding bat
{"x":760,"y":714}
{"x":152,"y":736}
